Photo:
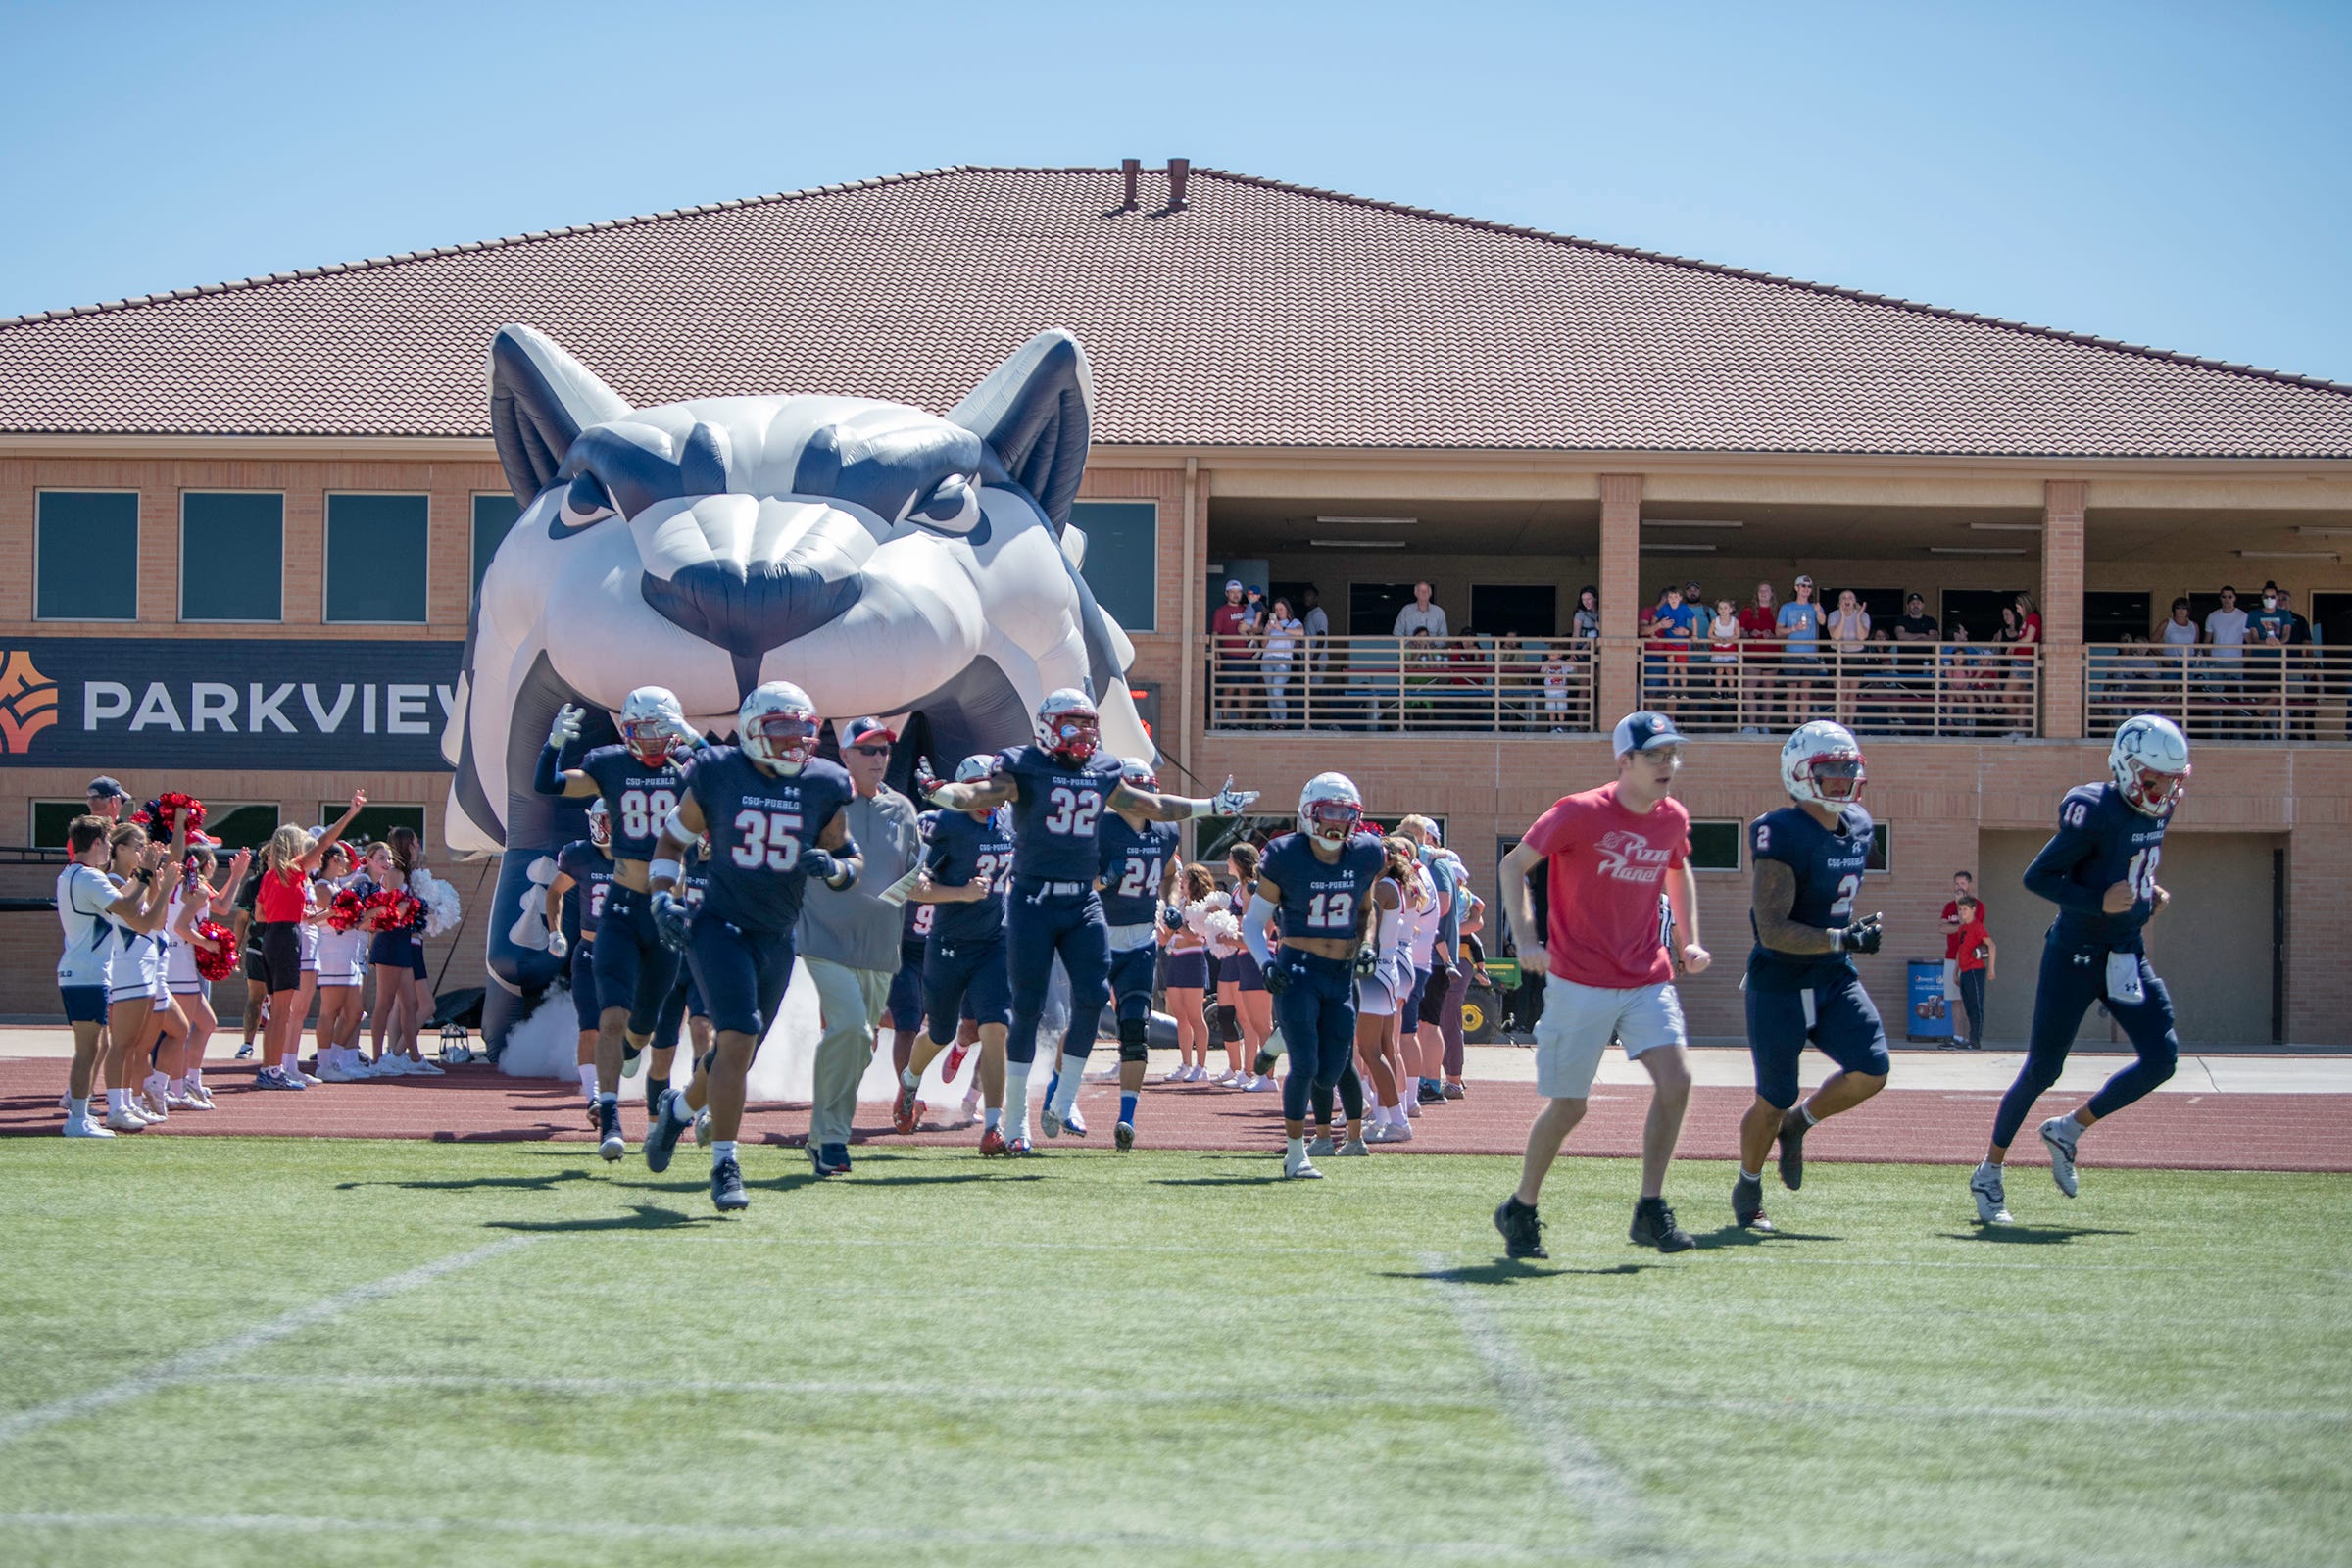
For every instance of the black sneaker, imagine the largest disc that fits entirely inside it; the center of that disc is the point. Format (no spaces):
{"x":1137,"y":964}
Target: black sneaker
{"x":609,"y":1142}
{"x":1794,"y":1128}
{"x":1123,"y":1135}
{"x":663,"y":1132}
{"x":829,"y":1159}
{"x":1747,"y":1203}
{"x":726,"y":1186}
{"x":1654,"y":1226}
{"x":1522,"y":1232}
{"x":1429,"y":1094}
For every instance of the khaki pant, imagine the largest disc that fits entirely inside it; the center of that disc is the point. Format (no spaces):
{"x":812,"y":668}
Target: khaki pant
{"x":850,"y":1002}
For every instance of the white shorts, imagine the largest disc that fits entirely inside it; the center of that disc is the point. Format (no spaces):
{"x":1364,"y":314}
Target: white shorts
{"x":1579,"y":1022}
{"x":1951,"y":979}
{"x":1373,"y":998}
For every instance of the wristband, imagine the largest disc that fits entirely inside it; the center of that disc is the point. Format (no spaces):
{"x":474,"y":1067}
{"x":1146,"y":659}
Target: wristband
{"x":672,"y":869}
{"x":1195,"y":808}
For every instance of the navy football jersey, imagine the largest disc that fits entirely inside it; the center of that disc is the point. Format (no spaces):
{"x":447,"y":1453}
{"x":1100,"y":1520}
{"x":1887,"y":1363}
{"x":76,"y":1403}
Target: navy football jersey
{"x":2101,"y":840}
{"x":1321,"y":898}
{"x":591,"y":871}
{"x":1135,"y":861}
{"x":637,"y":797}
{"x":1058,"y":818}
{"x":960,"y":849}
{"x":1829,"y":873}
{"x":759,"y":825}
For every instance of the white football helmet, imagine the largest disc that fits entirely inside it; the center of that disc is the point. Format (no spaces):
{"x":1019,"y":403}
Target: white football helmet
{"x":652,"y":724}
{"x":975,"y":767}
{"x":599,"y":824}
{"x":2150,"y":764}
{"x":1329,"y":808}
{"x":1138,"y":773}
{"x":777,"y":727}
{"x":1068,"y":725}
{"x":1822,"y":764}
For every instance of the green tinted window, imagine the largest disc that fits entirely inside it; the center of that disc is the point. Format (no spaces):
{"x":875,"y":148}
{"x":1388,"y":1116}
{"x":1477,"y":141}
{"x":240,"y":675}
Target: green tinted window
{"x":1715,"y":846}
{"x":376,"y":821}
{"x":1123,"y":558}
{"x":90,"y":556}
{"x":493,"y":516}
{"x":232,"y":557}
{"x":376,"y":559}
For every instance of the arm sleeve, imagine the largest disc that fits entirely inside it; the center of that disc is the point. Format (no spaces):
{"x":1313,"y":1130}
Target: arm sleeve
{"x":548,"y":779}
{"x":2048,"y":876}
{"x":1254,"y":929}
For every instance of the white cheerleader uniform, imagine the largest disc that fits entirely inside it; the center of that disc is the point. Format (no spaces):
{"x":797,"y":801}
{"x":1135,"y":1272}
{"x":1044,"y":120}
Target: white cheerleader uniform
{"x":1378,"y":994}
{"x":180,"y":958}
{"x":135,"y":967}
{"x":339,"y":956}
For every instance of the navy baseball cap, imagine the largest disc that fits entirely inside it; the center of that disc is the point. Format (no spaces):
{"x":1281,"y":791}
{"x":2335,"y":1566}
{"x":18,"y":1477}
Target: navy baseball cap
{"x":108,"y":787}
{"x":1645,"y":732}
{"x":868,"y":729}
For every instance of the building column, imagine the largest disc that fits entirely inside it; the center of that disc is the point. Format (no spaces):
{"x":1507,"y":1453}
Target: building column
{"x":1192,"y":650}
{"x":2062,"y":505}
{"x":1620,"y":674}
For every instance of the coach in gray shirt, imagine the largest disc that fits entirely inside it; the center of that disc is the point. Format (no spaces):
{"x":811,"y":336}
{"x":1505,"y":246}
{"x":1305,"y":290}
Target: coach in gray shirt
{"x":850,"y":941}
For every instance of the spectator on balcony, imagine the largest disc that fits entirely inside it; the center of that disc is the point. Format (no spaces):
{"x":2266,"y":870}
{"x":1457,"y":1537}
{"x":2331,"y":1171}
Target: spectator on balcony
{"x":1799,"y":626}
{"x":1515,"y":678}
{"x":1421,"y":667}
{"x":1722,"y":661}
{"x":1278,"y":653}
{"x":1558,"y":677}
{"x":1420,"y":615}
{"x":1970,"y":681}
{"x":1848,"y":631}
{"x":2021,"y":631}
{"x":1916,"y":625}
{"x":1759,"y":669}
{"x":1585,"y":624}
{"x":2226,"y":630}
{"x":1229,"y":645}
{"x":1668,"y":631}
{"x":2302,"y":671}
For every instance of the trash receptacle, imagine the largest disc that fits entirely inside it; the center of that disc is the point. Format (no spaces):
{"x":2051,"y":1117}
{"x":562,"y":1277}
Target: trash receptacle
{"x":1929,"y":1017}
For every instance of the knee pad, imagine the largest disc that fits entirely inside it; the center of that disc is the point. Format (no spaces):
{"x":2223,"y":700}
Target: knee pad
{"x":1132,"y":1044}
{"x":1229,"y":1024}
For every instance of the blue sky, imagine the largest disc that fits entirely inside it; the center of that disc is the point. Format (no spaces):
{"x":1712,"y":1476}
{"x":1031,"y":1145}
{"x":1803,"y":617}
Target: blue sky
{"x":2169,"y":175}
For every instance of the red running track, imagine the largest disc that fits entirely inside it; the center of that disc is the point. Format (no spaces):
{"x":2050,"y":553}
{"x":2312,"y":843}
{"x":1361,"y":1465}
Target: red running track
{"x":477,"y":1104}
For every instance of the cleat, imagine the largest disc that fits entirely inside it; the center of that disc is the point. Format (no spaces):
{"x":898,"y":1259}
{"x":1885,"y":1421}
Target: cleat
{"x":1123,"y":1135}
{"x":726,"y":1187}
{"x":992,"y":1144}
{"x":1993,"y":1204}
{"x":1050,"y":1120}
{"x":1522,"y":1232}
{"x":2058,"y":1136}
{"x":702,"y":1128}
{"x":829,"y":1159}
{"x":1748,"y":1205}
{"x":1654,"y":1226}
{"x":1300,"y":1168}
{"x":1073,"y":1124}
{"x":593,"y":1121}
{"x":1793,"y":1150}
{"x":84,"y":1127}
{"x":1018,"y":1146}
{"x":632,"y":1061}
{"x":956,"y":1056}
{"x":1353,"y":1148}
{"x":662,"y":1132}
{"x":1322,"y":1145}
{"x":905,"y":1110}
{"x":609,"y":1142}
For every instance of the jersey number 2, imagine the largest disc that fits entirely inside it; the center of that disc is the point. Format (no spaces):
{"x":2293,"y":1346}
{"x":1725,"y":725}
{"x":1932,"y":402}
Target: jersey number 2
{"x":767,"y":838}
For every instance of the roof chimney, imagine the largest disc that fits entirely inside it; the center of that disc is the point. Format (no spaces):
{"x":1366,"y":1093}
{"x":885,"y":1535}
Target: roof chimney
{"x":1180,"y":169}
{"x":1129,"y":169}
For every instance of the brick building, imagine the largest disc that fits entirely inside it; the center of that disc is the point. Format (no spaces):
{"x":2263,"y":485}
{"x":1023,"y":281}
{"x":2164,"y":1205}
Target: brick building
{"x":245,"y":521}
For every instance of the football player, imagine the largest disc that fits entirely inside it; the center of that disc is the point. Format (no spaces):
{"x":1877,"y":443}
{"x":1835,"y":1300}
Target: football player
{"x":641,"y":780}
{"x":1058,"y":790}
{"x":682,"y":1010}
{"x":1319,"y":883}
{"x":965,"y":873}
{"x":1801,"y":984}
{"x":774,"y":812}
{"x":2100,"y":871}
{"x":575,"y":904}
{"x":1139,"y":876}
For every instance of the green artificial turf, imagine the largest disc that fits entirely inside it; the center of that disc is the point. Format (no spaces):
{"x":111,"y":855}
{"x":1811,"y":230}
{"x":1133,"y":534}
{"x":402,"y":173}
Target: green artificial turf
{"x":1162,"y":1359}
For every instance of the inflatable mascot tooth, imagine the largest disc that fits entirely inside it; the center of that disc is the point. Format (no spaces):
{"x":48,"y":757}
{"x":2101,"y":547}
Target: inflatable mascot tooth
{"x":886,"y":559}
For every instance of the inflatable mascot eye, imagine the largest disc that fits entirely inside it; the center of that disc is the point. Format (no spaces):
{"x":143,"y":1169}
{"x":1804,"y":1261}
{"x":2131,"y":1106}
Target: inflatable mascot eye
{"x":951,"y":506}
{"x":585,"y":505}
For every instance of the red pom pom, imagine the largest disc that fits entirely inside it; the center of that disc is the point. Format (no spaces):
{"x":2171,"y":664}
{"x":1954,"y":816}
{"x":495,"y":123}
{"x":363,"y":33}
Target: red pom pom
{"x":161,"y":815}
{"x":346,"y":910}
{"x":221,"y":963}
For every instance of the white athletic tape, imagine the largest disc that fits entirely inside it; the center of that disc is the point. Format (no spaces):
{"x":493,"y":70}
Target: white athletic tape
{"x":192,"y":1364}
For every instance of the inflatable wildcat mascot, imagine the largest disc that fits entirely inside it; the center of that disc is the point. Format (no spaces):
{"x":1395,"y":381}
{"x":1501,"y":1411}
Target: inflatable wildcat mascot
{"x":886,"y":559}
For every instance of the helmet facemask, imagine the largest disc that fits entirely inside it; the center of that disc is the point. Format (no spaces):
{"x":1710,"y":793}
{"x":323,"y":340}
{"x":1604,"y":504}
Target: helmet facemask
{"x":786,"y":741}
{"x":1331,"y":823}
{"x":2153,"y":790}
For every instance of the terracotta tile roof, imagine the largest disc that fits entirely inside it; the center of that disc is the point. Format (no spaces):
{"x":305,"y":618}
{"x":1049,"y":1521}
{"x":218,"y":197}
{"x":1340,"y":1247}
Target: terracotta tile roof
{"x":1264,"y":314}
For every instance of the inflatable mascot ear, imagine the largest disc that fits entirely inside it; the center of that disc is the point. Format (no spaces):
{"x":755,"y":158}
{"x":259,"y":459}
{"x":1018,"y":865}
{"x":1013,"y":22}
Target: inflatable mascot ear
{"x":1036,"y":413}
{"x":541,"y":399}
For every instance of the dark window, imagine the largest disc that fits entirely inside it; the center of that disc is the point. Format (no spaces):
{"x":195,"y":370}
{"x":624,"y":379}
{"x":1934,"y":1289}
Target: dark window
{"x":1885,"y":604}
{"x":241,"y":827}
{"x":376,"y":559}
{"x":1372,"y":607}
{"x":232,"y":557}
{"x":1532,"y":609}
{"x":1123,"y":558}
{"x":493,"y":515}
{"x":374,"y":822}
{"x":1882,"y":848}
{"x":51,"y":818}
{"x":2107,"y":618}
{"x":1978,"y":609}
{"x":1715,"y":846}
{"x":88,"y":551}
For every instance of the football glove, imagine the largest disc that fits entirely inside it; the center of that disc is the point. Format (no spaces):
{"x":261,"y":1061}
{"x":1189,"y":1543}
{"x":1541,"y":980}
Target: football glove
{"x":1171,"y":917}
{"x":1367,"y":962}
{"x":926,"y":782}
{"x":671,"y":920}
{"x":557,"y":946}
{"x":1230,"y":802}
{"x":837,"y":874}
{"x":1278,"y":979}
{"x":567,"y":726}
{"x":1864,"y":935}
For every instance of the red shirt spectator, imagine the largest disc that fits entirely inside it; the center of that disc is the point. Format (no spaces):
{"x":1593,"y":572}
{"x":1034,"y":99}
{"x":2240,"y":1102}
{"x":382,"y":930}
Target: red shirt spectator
{"x":1759,"y":622}
{"x":1605,"y":868}
{"x":1975,"y":943}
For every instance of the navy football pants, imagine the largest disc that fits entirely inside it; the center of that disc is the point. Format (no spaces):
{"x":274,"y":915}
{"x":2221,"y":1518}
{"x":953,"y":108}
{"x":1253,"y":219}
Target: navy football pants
{"x":1131,"y":976}
{"x":1037,"y":926}
{"x":2072,"y":977}
{"x":1317,"y":1011}
{"x":633,"y":969}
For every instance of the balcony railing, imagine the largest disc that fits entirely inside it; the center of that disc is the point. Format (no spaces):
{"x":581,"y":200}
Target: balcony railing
{"x":1479,"y":685}
{"x":2221,"y":694}
{"x":1938,"y":690}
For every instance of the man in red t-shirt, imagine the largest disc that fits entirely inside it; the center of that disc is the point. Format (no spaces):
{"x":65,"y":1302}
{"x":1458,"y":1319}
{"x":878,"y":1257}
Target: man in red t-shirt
{"x":1228,"y":645}
{"x":1964,"y":886}
{"x":1609,"y":854}
{"x":1759,"y":661}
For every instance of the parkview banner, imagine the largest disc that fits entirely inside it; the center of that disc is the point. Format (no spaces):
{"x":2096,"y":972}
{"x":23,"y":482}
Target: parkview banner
{"x":116,"y":703}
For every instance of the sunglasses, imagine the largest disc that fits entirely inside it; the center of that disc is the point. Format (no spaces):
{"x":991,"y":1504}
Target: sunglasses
{"x":871,"y":751}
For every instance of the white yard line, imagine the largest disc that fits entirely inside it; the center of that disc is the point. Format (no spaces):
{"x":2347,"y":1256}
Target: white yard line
{"x":191,"y":1364}
{"x":1621,"y":1527}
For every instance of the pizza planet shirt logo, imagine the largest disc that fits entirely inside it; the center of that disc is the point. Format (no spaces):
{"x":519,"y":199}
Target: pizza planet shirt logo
{"x":27,"y":702}
{"x":1629,"y":857}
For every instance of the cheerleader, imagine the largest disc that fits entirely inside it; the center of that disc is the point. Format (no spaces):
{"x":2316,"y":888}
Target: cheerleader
{"x":196,"y":901}
{"x":340,"y":960}
{"x":394,"y":956}
{"x":134,"y":973}
{"x":1380,"y":994}
{"x":1188,"y":976}
{"x":283,"y":903}
{"x":1241,"y":994}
